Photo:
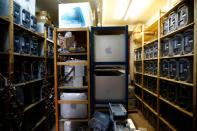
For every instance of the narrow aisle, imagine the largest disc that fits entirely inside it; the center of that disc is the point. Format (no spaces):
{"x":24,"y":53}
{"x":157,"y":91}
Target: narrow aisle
{"x":141,"y":122}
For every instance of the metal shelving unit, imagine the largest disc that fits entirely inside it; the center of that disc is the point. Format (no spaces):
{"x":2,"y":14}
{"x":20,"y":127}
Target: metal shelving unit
{"x":108,"y":31}
{"x":155,"y":35}
{"x":59,"y":87}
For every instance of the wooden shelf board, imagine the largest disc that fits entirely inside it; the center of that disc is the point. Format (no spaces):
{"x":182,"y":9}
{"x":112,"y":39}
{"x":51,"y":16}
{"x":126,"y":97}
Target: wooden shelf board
{"x":138,"y":85}
{"x":71,"y":29}
{"x":150,"y":75}
{"x":4,"y":53}
{"x":71,"y":63}
{"x":151,"y":92}
{"x":175,"y":81}
{"x":28,"y":55}
{"x":28,"y":82}
{"x":138,"y":40}
{"x":138,"y":98}
{"x":137,"y":60}
{"x":147,"y":59}
{"x":5,"y":18}
{"x":177,"y":107}
{"x":170,"y":57}
{"x":39,"y":123}
{"x":136,"y":48}
{"x":150,"y":108}
{"x":29,"y":31}
{"x":73,"y":87}
{"x":72,"y":102}
{"x":74,"y":120}
{"x":150,"y":42}
{"x":149,"y":38}
{"x":50,"y":57}
{"x":51,"y":41}
{"x":173,"y":9}
{"x":50,"y":76}
{"x":33,"y":105}
{"x":167,"y":123}
{"x":177,"y":31}
{"x":152,"y":28}
{"x":138,"y":73}
{"x":73,"y":54}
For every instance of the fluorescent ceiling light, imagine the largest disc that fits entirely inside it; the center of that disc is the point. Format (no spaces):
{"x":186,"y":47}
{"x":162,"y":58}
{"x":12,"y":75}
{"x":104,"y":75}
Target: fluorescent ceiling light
{"x":136,"y":8}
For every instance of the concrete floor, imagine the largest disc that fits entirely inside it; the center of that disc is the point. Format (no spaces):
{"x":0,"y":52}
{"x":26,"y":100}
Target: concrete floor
{"x":139,"y":121}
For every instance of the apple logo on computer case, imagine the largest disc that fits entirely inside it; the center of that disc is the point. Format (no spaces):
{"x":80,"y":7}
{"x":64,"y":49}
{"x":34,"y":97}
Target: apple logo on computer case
{"x":108,"y":50}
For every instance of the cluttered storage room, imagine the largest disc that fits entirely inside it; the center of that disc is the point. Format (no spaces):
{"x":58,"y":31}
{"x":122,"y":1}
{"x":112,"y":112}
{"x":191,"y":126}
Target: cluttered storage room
{"x":98,"y":65}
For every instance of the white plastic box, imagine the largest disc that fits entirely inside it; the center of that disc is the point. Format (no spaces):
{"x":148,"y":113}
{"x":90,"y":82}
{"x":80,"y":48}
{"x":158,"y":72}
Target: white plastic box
{"x":73,"y":110}
{"x":109,"y":48}
{"x":78,"y":73}
{"x":72,"y":15}
{"x":71,"y":126}
{"x":109,"y":85}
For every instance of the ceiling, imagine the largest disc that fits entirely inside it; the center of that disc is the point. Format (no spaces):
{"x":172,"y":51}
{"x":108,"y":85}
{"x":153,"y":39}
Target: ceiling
{"x":113,"y":11}
{"x":141,"y":12}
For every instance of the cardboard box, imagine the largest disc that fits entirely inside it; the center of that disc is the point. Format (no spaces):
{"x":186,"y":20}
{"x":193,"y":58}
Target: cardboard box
{"x":42,"y":13}
{"x":68,"y":42}
{"x":72,"y":15}
{"x":43,"y":16}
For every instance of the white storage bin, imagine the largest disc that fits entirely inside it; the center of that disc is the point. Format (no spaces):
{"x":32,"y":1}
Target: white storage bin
{"x":71,"y":126}
{"x":109,"y":85}
{"x":77,"y":81}
{"x":79,"y":71}
{"x":109,"y":48}
{"x":73,"y":110}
